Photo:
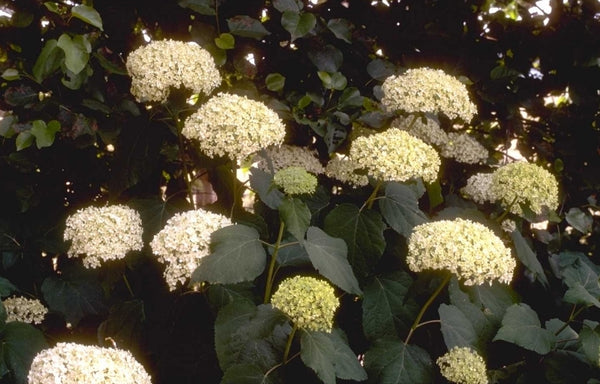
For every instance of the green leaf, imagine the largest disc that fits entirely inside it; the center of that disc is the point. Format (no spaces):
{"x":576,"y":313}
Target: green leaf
{"x":329,"y":355}
{"x":590,"y":341}
{"x":87,"y":14}
{"x":124,"y":324}
{"x":10,"y":74}
{"x":456,"y":328}
{"x":292,"y":255}
{"x":579,"y":220}
{"x":362,"y":230}
{"x":335,"y":80}
{"x":6,"y":287}
{"x":380,"y":69}
{"x":296,"y":216}
{"x":483,"y":327}
{"x":6,"y":126}
{"x":3,"y":317}
{"x":203,"y":7}
{"x":328,"y":256}
{"x":220,"y":295}
{"x":225,"y":41}
{"x":288,"y":5}
{"x":246,"y":26}
{"x":493,"y":300}
{"x":24,"y":140}
{"x":73,"y":297}
{"x":52,"y":7}
{"x":581,"y":276}
{"x":20,"y":343}
{"x":334,"y":136}
{"x":262,"y":183}
{"x":238,"y":255}
{"x":400,"y":208}
{"x":77,"y":51}
{"x":275,"y":82}
{"x":341,"y":28}
{"x":567,"y":338}
{"x":349,"y":98}
{"x":44,"y":134}
{"x":48,"y":61}
{"x":243,"y":374}
{"x":245,"y":333}
{"x":528,"y":257}
{"x":326,"y":58}
{"x":386,"y":309}
{"x":434,"y":193}
{"x":393,"y":362}
{"x":521,"y":326}
{"x":578,"y":294}
{"x":298,"y":24}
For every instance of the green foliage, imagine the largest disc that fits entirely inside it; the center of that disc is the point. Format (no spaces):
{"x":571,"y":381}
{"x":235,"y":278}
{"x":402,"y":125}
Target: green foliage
{"x":521,"y":326}
{"x":400,"y":208}
{"x":393,"y":362}
{"x":20,"y":343}
{"x":296,"y":216}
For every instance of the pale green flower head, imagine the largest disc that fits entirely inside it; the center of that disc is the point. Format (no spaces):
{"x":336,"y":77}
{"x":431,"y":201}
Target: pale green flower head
{"x":70,"y":363}
{"x":395,"y":155}
{"x":295,"y":181}
{"x":464,"y":149}
{"x":156,"y":67}
{"x":184,"y":240}
{"x":462,"y":365}
{"x":309,"y":302}
{"x":234,"y":126}
{"x":427,"y":90}
{"x":25,"y":310}
{"x":467,"y":249}
{"x":103,"y":233}
{"x":527,"y":184}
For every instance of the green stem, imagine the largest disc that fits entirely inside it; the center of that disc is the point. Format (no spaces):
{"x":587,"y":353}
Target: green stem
{"x":373,"y":195}
{"x":507,"y":211}
{"x":572,"y":317}
{"x":270,"y":274}
{"x":234,"y":186}
{"x":426,"y":305}
{"x":128,"y":285}
{"x":288,"y":345}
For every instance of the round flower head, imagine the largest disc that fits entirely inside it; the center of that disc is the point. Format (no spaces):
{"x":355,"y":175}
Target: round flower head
{"x":103,"y":233}
{"x":462,"y":365}
{"x":342,"y":168}
{"x":25,"y":310}
{"x":183,"y":241}
{"x":70,"y":363}
{"x":395,"y":155}
{"x":310,"y":303}
{"x":469,"y":250}
{"x":464,"y":149}
{"x":234,"y":126}
{"x":428,"y":131}
{"x":162,"y":64}
{"x":427,"y":90}
{"x":479,"y":188}
{"x":527,"y":184}
{"x":288,"y":156}
{"x":295,"y":181}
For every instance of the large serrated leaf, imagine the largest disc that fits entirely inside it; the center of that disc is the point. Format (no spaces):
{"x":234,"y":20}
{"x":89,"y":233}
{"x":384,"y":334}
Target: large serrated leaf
{"x":493,"y":300}
{"x":400,"y":208}
{"x":87,"y":14}
{"x":298,"y":24}
{"x":528,"y":257}
{"x":481,"y":325}
{"x":238,"y":255}
{"x":582,"y":279}
{"x":74,"y":298}
{"x":296,"y":216}
{"x":590,"y":341}
{"x":329,"y":355}
{"x":456,"y":328}
{"x":386,"y":310}
{"x":245,"y":26}
{"x":362,"y":230}
{"x":329,"y":256}
{"x":393,"y":362}
{"x":521,"y":326}
{"x":20,"y":343}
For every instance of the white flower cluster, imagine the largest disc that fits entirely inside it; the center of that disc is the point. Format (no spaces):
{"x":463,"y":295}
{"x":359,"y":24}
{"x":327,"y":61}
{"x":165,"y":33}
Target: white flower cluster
{"x":464,"y":149}
{"x":428,"y":131}
{"x":462,"y":365}
{"x":183,"y":241}
{"x":290,"y":156}
{"x":469,"y":250}
{"x":342,"y":168}
{"x":427,"y":90}
{"x":295,"y":181}
{"x":25,"y":310}
{"x":70,"y":363}
{"x":234,"y":126}
{"x":479,"y":188}
{"x":162,"y":64}
{"x":103,"y":233}
{"x":395,"y":155}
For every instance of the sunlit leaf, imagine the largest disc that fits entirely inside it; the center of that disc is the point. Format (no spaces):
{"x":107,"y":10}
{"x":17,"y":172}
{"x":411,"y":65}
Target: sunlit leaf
{"x":10,"y":74}
{"x":275,"y":82}
{"x":87,"y":14}
{"x":298,"y":24}
{"x":394,"y":362}
{"x":225,"y":41}
{"x":246,"y":26}
{"x":521,"y":326}
{"x":77,"y":51}
{"x":6,"y":126}
{"x":44,"y":133}
{"x":24,"y":140}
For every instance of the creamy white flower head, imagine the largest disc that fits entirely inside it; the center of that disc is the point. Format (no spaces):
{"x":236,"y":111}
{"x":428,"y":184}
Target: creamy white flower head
{"x":342,"y":168}
{"x":25,"y":310}
{"x":310,"y":303}
{"x":479,"y":188}
{"x":462,"y":365}
{"x":295,"y":181}
{"x":427,"y":90}
{"x":103,"y":233}
{"x":428,"y":131}
{"x":395,"y":155}
{"x":70,"y":363}
{"x":464,"y":149}
{"x":234,"y":126}
{"x":290,"y":156}
{"x":467,"y":249}
{"x":523,"y":183}
{"x":162,"y":64}
{"x":183,"y":241}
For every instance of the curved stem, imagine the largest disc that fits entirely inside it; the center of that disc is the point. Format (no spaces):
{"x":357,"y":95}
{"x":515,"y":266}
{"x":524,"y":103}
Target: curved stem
{"x":572,"y":317}
{"x":288,"y":345}
{"x":270,"y":274}
{"x":426,"y":305}
{"x":373,"y":195}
